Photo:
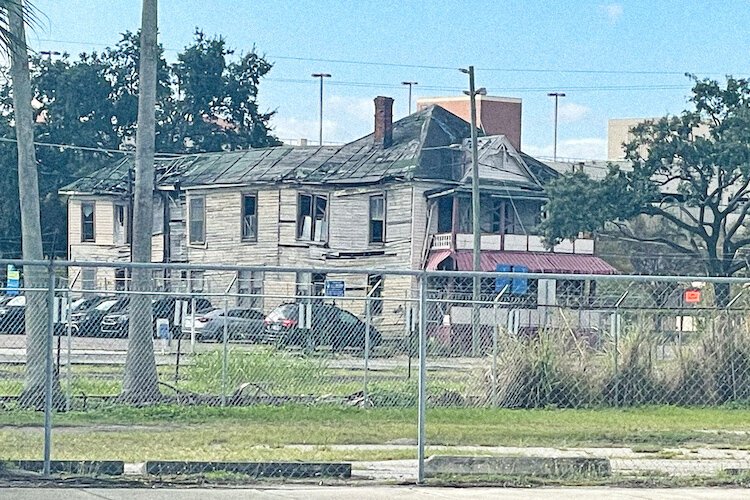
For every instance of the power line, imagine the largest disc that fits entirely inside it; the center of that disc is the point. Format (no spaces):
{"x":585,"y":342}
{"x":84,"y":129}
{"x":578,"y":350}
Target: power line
{"x":435,"y":67}
{"x":91,"y":149}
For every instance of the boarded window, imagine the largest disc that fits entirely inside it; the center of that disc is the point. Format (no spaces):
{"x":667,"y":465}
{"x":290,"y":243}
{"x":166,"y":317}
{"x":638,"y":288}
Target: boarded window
{"x":249,"y":217}
{"x":87,"y":222}
{"x":312,"y":217}
{"x":377,"y":218}
{"x":250,"y":289}
{"x":197,"y":216}
{"x":375,"y":293}
{"x":88,"y":280}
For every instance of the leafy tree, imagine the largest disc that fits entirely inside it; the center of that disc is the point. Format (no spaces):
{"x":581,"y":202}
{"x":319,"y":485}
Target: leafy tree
{"x":92,"y":102}
{"x":215,"y":107}
{"x":701,"y":157}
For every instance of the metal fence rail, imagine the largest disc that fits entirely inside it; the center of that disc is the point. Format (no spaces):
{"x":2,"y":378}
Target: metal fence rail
{"x":227,"y":336}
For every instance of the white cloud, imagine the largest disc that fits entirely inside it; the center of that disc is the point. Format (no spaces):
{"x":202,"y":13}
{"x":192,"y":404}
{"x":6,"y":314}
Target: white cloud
{"x":344,"y":119}
{"x":613,"y":11}
{"x":590,"y":148}
{"x":570,"y":112}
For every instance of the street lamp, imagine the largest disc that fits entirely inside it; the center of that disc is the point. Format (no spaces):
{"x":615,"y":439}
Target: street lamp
{"x":557,"y":96}
{"x":410,"y":84}
{"x":49,"y":53}
{"x":476,"y":247}
{"x":321,"y":76}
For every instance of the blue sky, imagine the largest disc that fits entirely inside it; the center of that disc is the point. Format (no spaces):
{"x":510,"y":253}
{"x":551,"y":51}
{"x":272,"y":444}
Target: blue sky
{"x":613,"y":59}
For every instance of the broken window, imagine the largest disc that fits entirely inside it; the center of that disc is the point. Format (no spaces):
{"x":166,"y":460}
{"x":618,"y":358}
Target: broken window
{"x":249,"y":217}
{"x":312,"y":217}
{"x":121,"y":225}
{"x":377,"y":218}
{"x":197,"y":216}
{"x":87,"y":222}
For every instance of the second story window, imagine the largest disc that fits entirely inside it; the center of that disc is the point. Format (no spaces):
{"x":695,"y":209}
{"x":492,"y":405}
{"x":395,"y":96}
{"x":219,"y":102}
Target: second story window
{"x":197,"y":217}
{"x":249,"y":217}
{"x":87,"y":222}
{"x":312,"y":217}
{"x":377,"y":218}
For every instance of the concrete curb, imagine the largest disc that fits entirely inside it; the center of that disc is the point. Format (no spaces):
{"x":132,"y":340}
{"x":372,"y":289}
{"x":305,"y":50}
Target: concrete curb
{"x":83,"y":467}
{"x":254,"y":469}
{"x":550,"y":467}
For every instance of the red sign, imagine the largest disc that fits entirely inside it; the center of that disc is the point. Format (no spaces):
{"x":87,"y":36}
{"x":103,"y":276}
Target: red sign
{"x":692,"y":296}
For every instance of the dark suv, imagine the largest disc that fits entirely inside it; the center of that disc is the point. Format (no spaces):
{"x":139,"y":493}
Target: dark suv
{"x":116,"y":324}
{"x":330,"y":326}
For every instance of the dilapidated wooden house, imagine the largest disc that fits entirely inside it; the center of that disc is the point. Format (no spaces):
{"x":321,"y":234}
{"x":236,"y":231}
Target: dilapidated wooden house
{"x":398,"y":198}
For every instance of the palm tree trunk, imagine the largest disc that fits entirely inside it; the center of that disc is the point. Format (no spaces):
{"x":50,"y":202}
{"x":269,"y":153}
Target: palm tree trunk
{"x":140,"y":384}
{"x":31,"y":232}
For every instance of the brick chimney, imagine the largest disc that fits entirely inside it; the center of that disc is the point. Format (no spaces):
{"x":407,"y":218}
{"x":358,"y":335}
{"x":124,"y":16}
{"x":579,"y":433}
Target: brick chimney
{"x":383,"y":121}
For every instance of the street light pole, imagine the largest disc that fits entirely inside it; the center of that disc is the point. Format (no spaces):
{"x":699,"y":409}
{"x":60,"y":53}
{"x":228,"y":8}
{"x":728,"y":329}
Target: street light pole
{"x":475,"y":229}
{"x":410,"y":84}
{"x":321,"y":76}
{"x":557,"y":96}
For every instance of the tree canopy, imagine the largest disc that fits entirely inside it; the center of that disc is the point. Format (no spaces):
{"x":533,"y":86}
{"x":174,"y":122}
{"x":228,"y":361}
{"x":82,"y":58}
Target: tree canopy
{"x":206,"y":101}
{"x":686,"y":188}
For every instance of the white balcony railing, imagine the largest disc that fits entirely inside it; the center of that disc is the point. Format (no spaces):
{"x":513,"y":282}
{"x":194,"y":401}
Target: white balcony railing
{"x":510,"y":243}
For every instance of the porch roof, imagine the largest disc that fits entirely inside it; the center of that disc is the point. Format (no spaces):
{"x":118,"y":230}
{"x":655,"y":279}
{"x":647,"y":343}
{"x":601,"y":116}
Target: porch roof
{"x":536,"y":262}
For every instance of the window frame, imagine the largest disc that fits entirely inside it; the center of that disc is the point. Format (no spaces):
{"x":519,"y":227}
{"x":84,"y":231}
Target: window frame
{"x":372,"y":220}
{"x":92,"y":239}
{"x":191,"y":241}
{"x":314,"y":197}
{"x":125,"y":234}
{"x":250,"y":289}
{"x":252,"y":238}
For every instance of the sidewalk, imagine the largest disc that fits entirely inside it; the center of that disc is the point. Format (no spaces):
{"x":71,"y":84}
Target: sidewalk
{"x":371,"y":493}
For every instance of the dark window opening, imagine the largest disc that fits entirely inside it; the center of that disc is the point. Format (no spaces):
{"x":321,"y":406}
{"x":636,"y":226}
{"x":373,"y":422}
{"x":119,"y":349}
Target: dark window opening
{"x":377,"y":219}
{"x":87,"y":222}
{"x":197,"y":220}
{"x":249,"y":217}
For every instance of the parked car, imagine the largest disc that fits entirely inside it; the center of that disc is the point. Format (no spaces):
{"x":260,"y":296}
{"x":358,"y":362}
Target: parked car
{"x":241,"y":323}
{"x":330,"y":326}
{"x":88,"y":323}
{"x":12,"y":314}
{"x":116,"y":323}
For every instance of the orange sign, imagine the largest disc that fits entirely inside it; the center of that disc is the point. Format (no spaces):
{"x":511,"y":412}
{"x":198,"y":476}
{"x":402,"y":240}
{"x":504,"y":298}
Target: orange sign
{"x":692,"y":296}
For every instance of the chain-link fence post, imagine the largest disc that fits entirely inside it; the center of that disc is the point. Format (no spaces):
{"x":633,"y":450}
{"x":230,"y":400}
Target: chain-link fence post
{"x":224,"y":355}
{"x":49,"y":353}
{"x":368,"y":320}
{"x":422,"y":397}
{"x":68,"y":349}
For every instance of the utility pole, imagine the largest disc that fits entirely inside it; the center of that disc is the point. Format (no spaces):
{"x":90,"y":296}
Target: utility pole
{"x":475,"y":229}
{"x":557,"y":96}
{"x":321,"y":76}
{"x":410,"y":84}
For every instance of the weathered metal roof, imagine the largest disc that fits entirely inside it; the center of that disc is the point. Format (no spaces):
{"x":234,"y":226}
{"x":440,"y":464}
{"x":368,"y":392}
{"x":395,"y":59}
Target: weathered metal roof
{"x":420,"y":150}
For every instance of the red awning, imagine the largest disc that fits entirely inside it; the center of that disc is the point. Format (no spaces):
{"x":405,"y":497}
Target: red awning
{"x":536,"y":262}
{"x":436,"y":257}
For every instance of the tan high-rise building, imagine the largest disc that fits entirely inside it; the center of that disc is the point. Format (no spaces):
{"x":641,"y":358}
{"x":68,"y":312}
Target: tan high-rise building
{"x":618,"y":133}
{"x":495,"y":115}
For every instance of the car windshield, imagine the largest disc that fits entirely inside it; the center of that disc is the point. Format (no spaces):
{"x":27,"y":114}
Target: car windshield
{"x":106,"y":305}
{"x":282,"y":312}
{"x":17,"y":301}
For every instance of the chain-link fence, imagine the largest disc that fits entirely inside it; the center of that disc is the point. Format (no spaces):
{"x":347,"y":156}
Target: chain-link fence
{"x":80,"y":338}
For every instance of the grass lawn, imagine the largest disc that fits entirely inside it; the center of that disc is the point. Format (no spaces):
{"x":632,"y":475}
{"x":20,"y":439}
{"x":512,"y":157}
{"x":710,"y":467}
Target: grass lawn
{"x":260,"y":433}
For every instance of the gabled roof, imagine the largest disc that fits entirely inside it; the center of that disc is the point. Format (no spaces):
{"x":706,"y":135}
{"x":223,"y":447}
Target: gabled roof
{"x":419,"y":151}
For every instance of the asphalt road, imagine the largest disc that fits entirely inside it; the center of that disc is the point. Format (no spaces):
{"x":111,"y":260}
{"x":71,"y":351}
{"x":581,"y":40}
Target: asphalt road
{"x":370,"y":492}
